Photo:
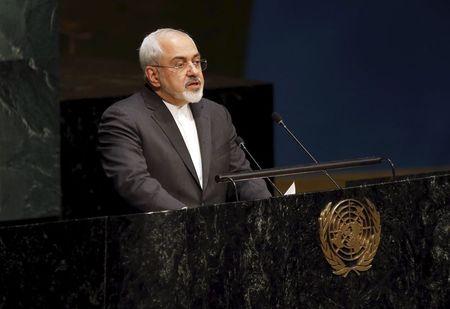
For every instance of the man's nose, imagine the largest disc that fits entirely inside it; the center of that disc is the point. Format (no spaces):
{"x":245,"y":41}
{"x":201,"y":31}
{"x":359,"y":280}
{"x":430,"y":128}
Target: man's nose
{"x":192,"y":69}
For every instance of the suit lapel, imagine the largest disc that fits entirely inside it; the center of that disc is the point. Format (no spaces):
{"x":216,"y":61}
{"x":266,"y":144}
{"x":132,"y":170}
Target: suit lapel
{"x":164,"y":119}
{"x":203,"y":124}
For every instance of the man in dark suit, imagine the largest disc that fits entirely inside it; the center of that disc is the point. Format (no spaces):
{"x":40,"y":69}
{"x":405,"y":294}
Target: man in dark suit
{"x":163,"y":146}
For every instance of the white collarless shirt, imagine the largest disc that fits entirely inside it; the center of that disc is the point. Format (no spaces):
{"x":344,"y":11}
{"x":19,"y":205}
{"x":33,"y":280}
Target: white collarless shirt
{"x":186,"y":124}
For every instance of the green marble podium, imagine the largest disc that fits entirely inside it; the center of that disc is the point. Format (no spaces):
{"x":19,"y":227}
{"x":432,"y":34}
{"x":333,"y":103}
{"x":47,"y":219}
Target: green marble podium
{"x":260,"y":254}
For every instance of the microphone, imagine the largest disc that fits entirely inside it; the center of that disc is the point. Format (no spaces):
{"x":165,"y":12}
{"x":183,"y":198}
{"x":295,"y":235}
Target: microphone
{"x":279,"y":121}
{"x":241,"y":144}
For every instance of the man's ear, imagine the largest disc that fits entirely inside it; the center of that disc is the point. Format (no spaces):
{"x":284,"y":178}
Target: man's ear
{"x":152,"y":76}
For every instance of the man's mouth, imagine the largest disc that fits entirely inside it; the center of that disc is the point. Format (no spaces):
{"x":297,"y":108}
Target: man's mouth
{"x":193,"y":84}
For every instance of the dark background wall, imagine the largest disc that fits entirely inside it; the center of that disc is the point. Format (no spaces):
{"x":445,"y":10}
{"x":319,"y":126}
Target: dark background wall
{"x":114,"y":29}
{"x":357,"y":78}
{"x":352,"y":78}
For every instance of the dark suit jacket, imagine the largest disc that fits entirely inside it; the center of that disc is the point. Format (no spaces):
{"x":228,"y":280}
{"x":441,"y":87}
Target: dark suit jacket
{"x":144,"y":154}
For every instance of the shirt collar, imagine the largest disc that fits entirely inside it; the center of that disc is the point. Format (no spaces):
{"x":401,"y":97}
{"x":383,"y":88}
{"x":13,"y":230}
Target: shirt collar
{"x":176,"y":110}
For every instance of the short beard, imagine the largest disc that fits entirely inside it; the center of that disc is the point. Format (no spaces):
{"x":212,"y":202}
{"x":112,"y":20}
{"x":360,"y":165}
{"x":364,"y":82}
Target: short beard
{"x":193,"y":96}
{"x":187,"y":95}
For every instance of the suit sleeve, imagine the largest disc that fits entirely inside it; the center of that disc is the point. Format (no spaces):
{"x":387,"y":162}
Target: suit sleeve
{"x":247,"y":190}
{"x":122,"y":158}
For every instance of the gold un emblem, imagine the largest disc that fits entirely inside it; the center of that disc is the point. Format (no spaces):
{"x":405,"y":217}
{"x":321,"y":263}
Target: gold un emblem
{"x":349,"y":235}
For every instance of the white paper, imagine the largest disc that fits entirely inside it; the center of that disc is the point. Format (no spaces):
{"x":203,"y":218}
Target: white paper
{"x":291,"y":189}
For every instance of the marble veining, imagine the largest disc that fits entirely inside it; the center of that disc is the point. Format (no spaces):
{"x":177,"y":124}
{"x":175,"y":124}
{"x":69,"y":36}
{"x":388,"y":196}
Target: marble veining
{"x":266,"y":254}
{"x":28,"y":30}
{"x":260,"y":254}
{"x":29,"y":126}
{"x":53,"y":265}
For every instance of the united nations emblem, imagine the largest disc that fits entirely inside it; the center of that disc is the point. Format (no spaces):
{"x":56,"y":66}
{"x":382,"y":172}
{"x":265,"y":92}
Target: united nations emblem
{"x":349,"y":235}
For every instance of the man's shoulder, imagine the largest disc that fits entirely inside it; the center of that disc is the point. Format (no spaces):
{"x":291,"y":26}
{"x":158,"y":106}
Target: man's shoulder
{"x":211,"y":103}
{"x":213,"y":107}
{"x":131,"y":106}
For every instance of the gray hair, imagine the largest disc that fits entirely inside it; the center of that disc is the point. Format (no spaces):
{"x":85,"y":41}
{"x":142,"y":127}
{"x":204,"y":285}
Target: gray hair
{"x":150,"y":50}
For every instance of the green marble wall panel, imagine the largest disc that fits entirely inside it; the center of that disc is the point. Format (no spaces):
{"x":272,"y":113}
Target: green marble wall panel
{"x":29,"y":116}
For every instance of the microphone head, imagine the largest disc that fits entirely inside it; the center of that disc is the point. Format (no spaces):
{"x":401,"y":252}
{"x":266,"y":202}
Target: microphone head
{"x":277,"y":118}
{"x":239,"y":140}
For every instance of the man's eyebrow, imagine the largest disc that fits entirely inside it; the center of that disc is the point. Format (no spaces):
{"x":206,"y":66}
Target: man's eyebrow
{"x":184,"y":58}
{"x":178,"y":58}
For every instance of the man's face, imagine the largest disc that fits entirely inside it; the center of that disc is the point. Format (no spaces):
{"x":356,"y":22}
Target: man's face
{"x":179,"y":86}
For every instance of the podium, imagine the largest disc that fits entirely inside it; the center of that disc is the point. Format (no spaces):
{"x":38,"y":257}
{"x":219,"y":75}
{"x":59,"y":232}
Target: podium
{"x":259,"y":254}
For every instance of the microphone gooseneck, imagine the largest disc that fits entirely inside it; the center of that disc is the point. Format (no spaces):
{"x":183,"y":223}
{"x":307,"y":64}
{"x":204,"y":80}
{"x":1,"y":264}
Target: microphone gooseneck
{"x":241,"y":144}
{"x":279,"y":121}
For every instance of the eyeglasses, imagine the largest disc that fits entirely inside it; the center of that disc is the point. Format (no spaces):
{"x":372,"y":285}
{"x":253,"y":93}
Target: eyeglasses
{"x":183,"y":65}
